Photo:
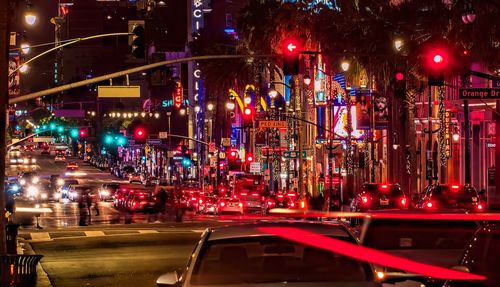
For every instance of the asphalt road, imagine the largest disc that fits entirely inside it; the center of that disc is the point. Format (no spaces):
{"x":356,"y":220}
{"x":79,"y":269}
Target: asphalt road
{"x":121,"y":256}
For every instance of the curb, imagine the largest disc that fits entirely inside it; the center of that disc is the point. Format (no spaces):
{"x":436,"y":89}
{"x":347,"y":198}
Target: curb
{"x":42,"y":278}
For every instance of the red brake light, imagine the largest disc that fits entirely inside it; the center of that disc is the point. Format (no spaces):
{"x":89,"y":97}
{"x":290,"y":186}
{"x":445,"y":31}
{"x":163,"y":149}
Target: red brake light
{"x":240,"y":204}
{"x":479,"y":207}
{"x":429,"y":204}
{"x":364,"y":199}
{"x":292,"y":204}
{"x":243,"y":193}
{"x":455,"y":188}
{"x":384,"y":187}
{"x":403,"y":201}
{"x":255,"y":194}
{"x":200,"y":201}
{"x":291,"y":194}
{"x":222,"y":204}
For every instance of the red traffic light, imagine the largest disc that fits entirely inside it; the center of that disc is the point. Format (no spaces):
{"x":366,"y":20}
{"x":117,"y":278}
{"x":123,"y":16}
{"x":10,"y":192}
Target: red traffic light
{"x":233,"y":154}
{"x":249,"y":158}
{"x":247,"y":112}
{"x":437,"y":59}
{"x":400,"y":76}
{"x":140,"y":133}
{"x":82,"y":132}
{"x":291,"y":47}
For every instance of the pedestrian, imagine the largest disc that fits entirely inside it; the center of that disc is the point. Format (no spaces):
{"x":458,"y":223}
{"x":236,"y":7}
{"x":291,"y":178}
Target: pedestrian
{"x":161,"y":203}
{"x":82,"y":210}
{"x":88,"y":202}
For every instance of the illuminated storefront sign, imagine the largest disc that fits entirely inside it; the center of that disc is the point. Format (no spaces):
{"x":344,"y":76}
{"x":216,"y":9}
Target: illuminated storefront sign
{"x":178,"y":96}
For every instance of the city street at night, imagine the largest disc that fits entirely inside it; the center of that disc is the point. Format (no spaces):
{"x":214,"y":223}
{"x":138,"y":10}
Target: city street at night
{"x":306,"y":143}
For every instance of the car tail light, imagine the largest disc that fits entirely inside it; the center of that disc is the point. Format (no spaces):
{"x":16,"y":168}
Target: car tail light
{"x":364,"y":199}
{"x":291,"y":194}
{"x":222,"y":204}
{"x":134,"y":204}
{"x":240,"y":205}
{"x":403,"y":201}
{"x":479,"y":207}
{"x":255,"y":194}
{"x":200,"y":201}
{"x":270,"y":203}
{"x":384,"y":187}
{"x":455,"y":188}
{"x":429,"y":204}
{"x":302,"y":204}
{"x":193,"y":198}
{"x":279,"y":197}
{"x":292,"y":204}
{"x":243,"y":194}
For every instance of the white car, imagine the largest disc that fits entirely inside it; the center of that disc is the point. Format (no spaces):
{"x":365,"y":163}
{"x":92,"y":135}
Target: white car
{"x":245,"y":255}
{"x":229,"y":205}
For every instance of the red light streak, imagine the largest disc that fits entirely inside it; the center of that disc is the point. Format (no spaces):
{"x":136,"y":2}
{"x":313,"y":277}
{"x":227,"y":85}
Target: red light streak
{"x":368,"y":254}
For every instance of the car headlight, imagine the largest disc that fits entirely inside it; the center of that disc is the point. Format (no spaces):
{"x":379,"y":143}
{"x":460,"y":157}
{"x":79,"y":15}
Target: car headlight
{"x":13,"y":160}
{"x":60,"y":182}
{"x":33,"y":190}
{"x":20,"y":160}
{"x":26,"y":160}
{"x":22,"y":181}
{"x":15,"y":188}
{"x":44,"y":196}
{"x":35,"y":179}
{"x":64,"y":191}
{"x":33,"y":160}
{"x":104,"y":193}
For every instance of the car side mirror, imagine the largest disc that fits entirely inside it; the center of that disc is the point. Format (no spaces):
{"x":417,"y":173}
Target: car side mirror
{"x":461,"y":268}
{"x":167,"y":279}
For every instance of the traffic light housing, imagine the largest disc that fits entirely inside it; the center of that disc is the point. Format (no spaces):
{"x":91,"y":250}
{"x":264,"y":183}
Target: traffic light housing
{"x":248,"y":116}
{"x":83,"y":132}
{"x":291,"y":58}
{"x":137,"y":41}
{"x":437,"y":62}
{"x":400,"y":83}
{"x":140,"y":134}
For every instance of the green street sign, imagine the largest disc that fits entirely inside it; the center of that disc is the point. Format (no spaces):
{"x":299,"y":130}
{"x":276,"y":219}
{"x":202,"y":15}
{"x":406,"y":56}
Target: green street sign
{"x":294,"y":154}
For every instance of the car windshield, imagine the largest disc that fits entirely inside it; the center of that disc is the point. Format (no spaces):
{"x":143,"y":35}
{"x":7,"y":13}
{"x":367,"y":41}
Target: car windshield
{"x":271,"y":259}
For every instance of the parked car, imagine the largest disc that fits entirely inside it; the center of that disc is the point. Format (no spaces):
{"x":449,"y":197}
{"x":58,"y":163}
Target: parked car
{"x":208,"y":205}
{"x":245,"y":255}
{"x":450,"y":196}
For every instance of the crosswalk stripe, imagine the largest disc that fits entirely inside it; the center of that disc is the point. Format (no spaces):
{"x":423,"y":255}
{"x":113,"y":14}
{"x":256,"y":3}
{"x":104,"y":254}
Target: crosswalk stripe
{"x":40,"y":236}
{"x":149,"y":231}
{"x":94,"y":233}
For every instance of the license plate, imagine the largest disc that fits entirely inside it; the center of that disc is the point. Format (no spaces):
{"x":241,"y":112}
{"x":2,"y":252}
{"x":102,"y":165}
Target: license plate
{"x":384,"y":202}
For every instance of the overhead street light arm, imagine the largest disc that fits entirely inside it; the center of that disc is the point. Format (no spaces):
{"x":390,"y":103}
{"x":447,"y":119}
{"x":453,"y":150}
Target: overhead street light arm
{"x":126,"y":72}
{"x":67,"y":44}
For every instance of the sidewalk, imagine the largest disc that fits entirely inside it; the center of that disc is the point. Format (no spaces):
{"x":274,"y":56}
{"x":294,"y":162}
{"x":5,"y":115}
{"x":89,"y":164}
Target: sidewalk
{"x":42,"y":277}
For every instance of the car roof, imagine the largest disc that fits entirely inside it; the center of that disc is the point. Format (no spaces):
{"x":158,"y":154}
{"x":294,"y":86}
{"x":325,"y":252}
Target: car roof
{"x":250,"y":229}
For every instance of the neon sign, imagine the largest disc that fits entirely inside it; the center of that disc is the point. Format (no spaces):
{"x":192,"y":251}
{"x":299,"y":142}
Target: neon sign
{"x":178,"y":96}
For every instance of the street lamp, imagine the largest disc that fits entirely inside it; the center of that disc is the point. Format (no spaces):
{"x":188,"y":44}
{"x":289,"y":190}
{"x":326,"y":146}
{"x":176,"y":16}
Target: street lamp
{"x":24,"y":68}
{"x":398,"y":44}
{"x":456,"y":137}
{"x":345,"y":66}
{"x":30,"y":18}
{"x":273,"y":93}
{"x":307,"y":80}
{"x":197,"y":109}
{"x":25,"y":48}
{"x":210,"y":106}
{"x":230,"y":106}
{"x":182,"y":112}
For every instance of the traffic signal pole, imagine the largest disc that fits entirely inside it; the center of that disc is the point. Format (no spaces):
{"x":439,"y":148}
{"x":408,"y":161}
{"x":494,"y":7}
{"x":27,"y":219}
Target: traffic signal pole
{"x":4,"y":56}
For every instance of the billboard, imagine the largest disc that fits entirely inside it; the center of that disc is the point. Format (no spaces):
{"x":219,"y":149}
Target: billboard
{"x":381,"y":112}
{"x":13,"y":84}
{"x":362,"y":104}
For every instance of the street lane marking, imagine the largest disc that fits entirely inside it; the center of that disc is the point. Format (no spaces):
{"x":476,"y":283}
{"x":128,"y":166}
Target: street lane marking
{"x":40,"y":236}
{"x":94,"y":233}
{"x":149,"y":231}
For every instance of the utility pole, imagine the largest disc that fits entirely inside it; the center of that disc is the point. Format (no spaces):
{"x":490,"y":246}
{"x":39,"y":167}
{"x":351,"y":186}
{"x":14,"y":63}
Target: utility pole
{"x":4,"y":56}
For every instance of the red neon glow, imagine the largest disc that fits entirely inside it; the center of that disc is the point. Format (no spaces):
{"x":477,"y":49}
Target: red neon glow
{"x":368,"y":254}
{"x":178,"y":96}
